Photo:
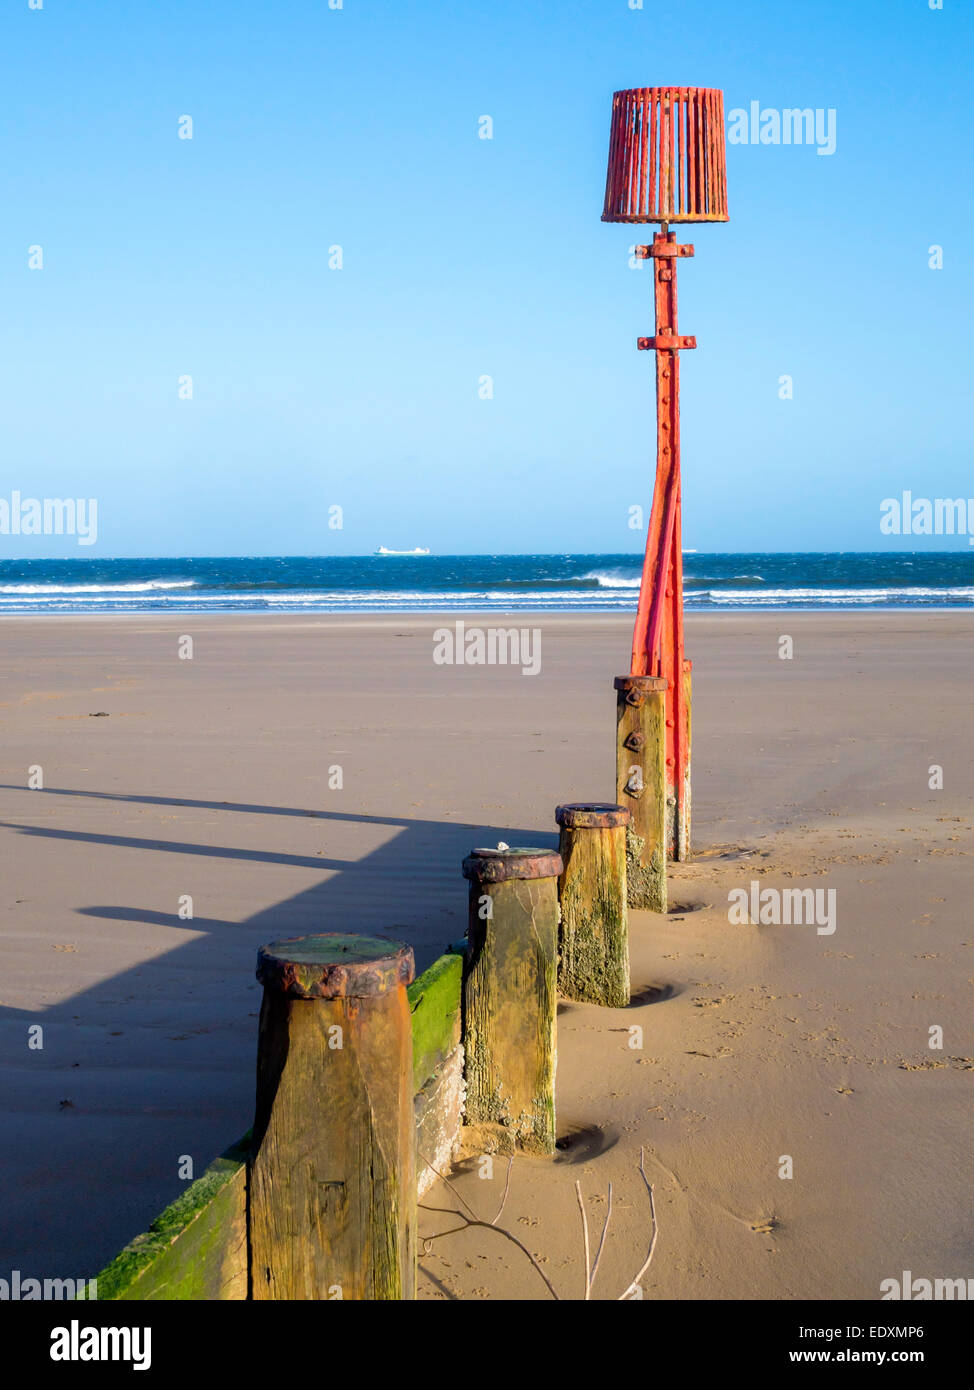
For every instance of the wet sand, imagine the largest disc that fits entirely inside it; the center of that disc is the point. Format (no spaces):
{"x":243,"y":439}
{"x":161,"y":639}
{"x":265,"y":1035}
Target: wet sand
{"x":211,"y":778}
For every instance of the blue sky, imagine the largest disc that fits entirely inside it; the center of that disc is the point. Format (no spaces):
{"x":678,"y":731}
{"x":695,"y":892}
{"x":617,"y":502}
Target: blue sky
{"x":464,"y":257}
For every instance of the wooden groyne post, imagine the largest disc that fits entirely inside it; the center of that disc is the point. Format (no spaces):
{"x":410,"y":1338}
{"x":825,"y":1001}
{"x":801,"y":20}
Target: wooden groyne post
{"x":332,"y":1191}
{"x":593,"y":957}
{"x":641,"y":784}
{"x":510,"y":997}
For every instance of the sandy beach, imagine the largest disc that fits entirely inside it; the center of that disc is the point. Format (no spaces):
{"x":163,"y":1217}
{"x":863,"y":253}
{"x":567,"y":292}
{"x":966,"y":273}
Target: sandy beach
{"x":215,"y":778}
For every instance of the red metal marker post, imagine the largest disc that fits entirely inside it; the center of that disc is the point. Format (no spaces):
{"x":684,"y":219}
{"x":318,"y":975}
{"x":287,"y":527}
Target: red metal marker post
{"x":666,"y":164}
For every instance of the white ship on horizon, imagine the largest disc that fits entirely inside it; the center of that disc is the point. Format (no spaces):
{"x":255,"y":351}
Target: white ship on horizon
{"x":383,"y":550}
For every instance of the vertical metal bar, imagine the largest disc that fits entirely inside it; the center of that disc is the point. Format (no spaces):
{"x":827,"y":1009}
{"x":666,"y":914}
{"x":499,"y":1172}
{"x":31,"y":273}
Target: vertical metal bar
{"x":676,"y":702}
{"x":666,"y":164}
{"x":721,"y":152}
{"x":687,"y":152}
{"x":624,"y":158}
{"x":652,"y":157}
{"x":678,"y":118}
{"x":624,"y":153}
{"x":688,"y":121}
{"x":701,"y":152}
{"x":632,"y":150}
{"x":713,"y":151}
{"x":697,"y":155}
{"x":636,"y":159}
{"x":607,"y":208}
{"x":644,"y":152}
{"x":705,"y":152}
{"x":674,"y":171}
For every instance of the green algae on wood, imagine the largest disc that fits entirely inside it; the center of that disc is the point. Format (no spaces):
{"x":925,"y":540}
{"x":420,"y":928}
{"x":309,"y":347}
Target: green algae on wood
{"x":593,"y":955}
{"x":196,"y":1248}
{"x":434,"y":1002}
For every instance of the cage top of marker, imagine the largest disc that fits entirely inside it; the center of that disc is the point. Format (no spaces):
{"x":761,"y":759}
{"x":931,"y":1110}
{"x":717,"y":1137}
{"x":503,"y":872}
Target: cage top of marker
{"x":667,"y":160}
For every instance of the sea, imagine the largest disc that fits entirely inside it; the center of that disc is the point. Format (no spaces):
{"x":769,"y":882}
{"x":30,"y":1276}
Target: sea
{"x":446,"y":583}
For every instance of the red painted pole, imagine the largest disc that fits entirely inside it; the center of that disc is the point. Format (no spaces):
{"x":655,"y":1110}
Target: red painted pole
{"x":667,"y":165}
{"x":658,"y":637}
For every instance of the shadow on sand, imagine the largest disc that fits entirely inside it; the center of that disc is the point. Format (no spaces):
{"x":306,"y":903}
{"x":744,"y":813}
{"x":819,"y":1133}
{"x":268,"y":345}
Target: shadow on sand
{"x":157,"y":1061}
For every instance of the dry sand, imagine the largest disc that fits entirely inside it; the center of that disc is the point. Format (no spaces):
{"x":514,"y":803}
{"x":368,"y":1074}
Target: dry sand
{"x":210,"y":778}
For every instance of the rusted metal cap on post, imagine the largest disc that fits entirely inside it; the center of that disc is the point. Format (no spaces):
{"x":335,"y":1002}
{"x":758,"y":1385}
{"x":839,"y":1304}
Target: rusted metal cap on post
{"x":498,"y":865}
{"x":667,"y":161}
{"x":592,"y":815}
{"x":334,"y":965}
{"x":636,"y":688}
{"x":646,"y":685}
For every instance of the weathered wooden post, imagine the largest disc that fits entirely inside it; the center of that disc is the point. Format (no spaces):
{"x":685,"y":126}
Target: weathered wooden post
{"x":641,"y":784}
{"x":510,"y":997}
{"x":593,"y":955}
{"x":332,"y":1202}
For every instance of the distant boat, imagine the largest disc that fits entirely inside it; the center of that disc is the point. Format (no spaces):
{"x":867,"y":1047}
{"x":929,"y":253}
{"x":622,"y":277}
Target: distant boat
{"x":382,"y":550}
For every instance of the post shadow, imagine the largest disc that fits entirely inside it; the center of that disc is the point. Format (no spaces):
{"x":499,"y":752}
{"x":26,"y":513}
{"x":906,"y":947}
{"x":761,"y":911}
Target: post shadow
{"x":136,"y":1073}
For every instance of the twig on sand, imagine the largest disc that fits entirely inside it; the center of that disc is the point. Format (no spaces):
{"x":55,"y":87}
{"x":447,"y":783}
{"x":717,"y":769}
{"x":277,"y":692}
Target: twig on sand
{"x":474,"y":1220}
{"x":633,"y":1288}
{"x":591,"y":1270}
{"x":585,"y":1249}
{"x":605,"y":1228}
{"x":507,"y":1188}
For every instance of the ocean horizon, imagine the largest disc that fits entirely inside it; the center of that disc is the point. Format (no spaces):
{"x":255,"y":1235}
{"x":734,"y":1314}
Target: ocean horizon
{"x":713,"y":582}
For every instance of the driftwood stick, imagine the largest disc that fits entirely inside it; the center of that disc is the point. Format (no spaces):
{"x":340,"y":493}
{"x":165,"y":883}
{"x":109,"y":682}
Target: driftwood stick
{"x":605,"y":1230}
{"x":652,"y":1245}
{"x":475,"y":1220}
{"x":591,"y":1270}
{"x":507,"y":1188}
{"x":581,"y":1207}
